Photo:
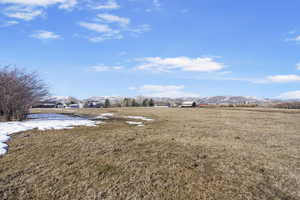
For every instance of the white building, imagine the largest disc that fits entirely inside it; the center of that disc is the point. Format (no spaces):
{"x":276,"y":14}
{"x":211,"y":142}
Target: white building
{"x":188,"y":104}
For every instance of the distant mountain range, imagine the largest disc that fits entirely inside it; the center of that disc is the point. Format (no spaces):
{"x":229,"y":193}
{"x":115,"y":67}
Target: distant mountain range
{"x":234,"y":100}
{"x":200,"y":100}
{"x":62,"y":99}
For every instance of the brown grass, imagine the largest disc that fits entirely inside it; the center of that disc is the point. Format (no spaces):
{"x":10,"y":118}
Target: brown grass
{"x":184,"y":154}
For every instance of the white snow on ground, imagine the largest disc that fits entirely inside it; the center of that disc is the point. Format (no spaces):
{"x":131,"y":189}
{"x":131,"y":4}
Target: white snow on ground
{"x":101,"y":117}
{"x":107,"y":114}
{"x":135,"y":123}
{"x":140,"y":118}
{"x":104,"y":116}
{"x":40,"y":122}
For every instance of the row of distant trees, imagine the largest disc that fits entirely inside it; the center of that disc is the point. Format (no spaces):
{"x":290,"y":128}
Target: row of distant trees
{"x":19,"y":90}
{"x":132,"y":102}
{"x":290,"y":105}
{"x":129,"y":102}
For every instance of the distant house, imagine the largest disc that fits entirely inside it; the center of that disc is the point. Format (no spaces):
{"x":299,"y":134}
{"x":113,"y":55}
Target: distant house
{"x":61,"y":105}
{"x":188,"y":104}
{"x":93,"y":104}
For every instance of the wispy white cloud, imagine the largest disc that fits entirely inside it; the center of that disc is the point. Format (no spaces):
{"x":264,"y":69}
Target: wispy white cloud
{"x":108,"y":5}
{"x":23,"y":13}
{"x":106,"y":32}
{"x":9,"y":23}
{"x":68,"y":4}
{"x":163,"y":91}
{"x":28,"y":10}
{"x":201,"y":64}
{"x":140,"y":29}
{"x":103,"y":68}
{"x":282,"y":78}
{"x":290,"y":95}
{"x":157,"y":3}
{"x":45,"y":35}
{"x":106,"y":37}
{"x":43,"y":3}
{"x":100,"y":28}
{"x":298,"y":66}
{"x":112,"y":27}
{"x":292,"y":32}
{"x":297,"y":38}
{"x":109,"y":18}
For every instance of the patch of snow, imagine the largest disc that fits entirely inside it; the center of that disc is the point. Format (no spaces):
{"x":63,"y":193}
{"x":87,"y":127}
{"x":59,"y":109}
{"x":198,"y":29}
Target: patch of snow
{"x":140,"y":118}
{"x":104,"y":116}
{"x":3,"y":151}
{"x":3,"y":138}
{"x":135,"y":123}
{"x":3,"y":145}
{"x":40,"y":122}
{"x":101,"y":117}
{"x":107,"y":114}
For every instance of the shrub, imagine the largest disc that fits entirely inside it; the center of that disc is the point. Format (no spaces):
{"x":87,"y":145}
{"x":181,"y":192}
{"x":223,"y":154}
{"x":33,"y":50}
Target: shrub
{"x":19,"y":90}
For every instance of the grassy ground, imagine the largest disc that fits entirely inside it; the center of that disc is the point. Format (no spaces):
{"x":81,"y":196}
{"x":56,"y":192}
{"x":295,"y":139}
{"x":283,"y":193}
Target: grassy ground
{"x":184,"y":154}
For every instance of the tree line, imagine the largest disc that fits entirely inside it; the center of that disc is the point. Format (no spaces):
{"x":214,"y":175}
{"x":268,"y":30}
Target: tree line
{"x":19,"y":90}
{"x":130,"y":102}
{"x":289,"y":105}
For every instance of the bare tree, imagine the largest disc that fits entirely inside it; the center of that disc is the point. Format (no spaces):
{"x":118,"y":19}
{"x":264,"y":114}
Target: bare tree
{"x":19,"y":90}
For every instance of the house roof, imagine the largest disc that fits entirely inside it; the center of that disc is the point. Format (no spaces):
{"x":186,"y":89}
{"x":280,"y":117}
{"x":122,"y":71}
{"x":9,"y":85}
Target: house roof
{"x":188,"y":102}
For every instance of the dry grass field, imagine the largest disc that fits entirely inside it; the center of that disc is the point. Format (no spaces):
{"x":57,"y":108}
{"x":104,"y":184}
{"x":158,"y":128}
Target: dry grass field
{"x":224,"y":154}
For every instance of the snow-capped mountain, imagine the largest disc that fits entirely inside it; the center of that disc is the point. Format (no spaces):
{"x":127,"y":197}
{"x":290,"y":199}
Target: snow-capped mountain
{"x":201,"y":100}
{"x":101,"y":99}
{"x":62,"y":99}
{"x":232,"y":100}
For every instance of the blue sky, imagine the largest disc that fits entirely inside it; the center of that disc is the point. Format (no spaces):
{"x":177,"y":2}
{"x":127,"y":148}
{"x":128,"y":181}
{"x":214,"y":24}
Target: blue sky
{"x":170,"y":48}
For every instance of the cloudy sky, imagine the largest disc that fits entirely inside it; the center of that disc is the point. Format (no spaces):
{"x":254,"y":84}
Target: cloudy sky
{"x":170,"y":48}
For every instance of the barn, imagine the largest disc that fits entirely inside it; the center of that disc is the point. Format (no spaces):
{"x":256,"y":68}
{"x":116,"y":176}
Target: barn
{"x":188,"y":104}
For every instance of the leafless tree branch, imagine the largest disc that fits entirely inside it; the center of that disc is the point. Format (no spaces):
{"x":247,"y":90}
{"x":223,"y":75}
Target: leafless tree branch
{"x":19,"y":90}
